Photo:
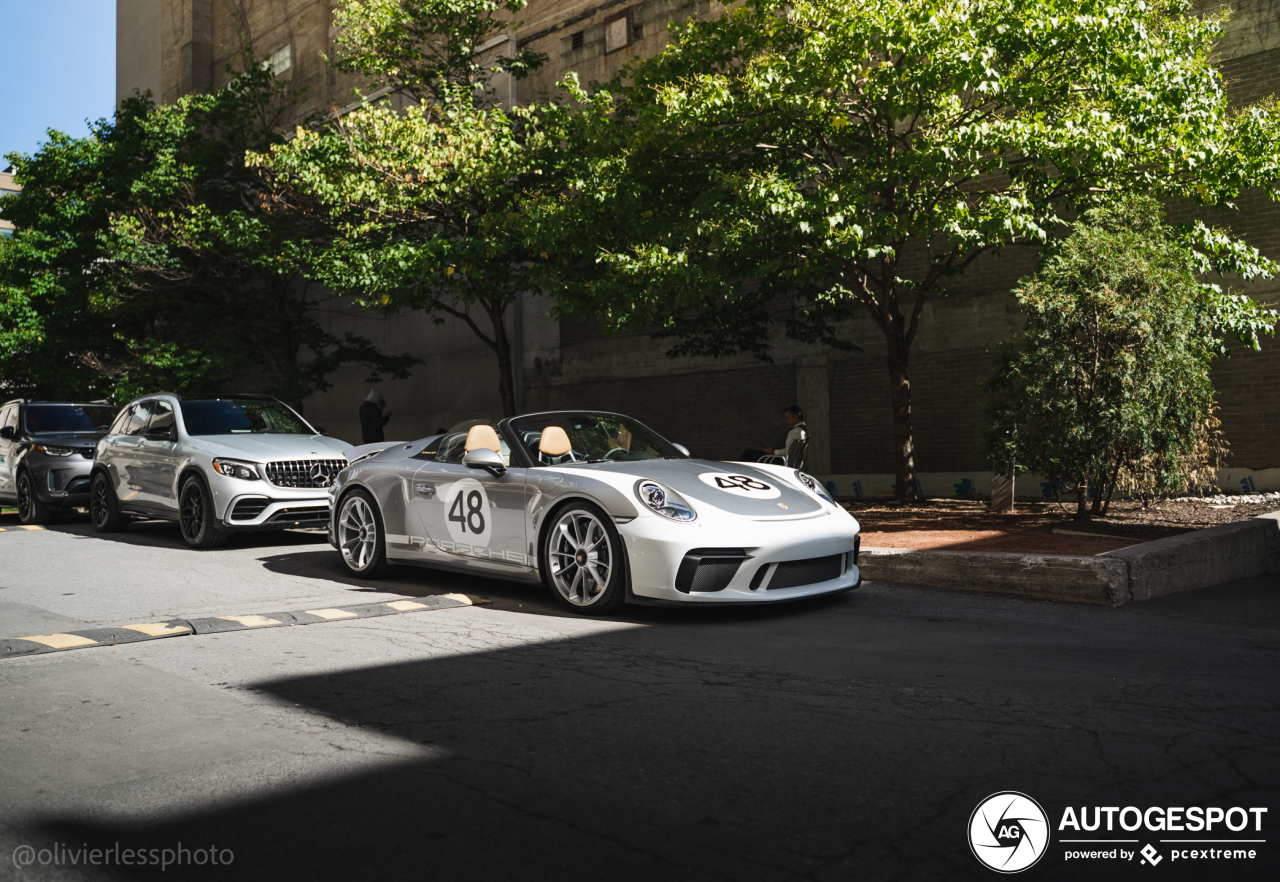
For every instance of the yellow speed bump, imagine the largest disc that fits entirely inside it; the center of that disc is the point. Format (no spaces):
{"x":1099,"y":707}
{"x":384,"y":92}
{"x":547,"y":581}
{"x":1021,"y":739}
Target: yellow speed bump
{"x":61,"y":641}
{"x":21,"y":527}
{"x":157,"y":629}
{"x":461,"y":598}
{"x":406,"y":605}
{"x":332,"y":614}
{"x":252,"y":621}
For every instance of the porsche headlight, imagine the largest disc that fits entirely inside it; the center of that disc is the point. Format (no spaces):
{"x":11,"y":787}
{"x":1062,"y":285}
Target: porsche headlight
{"x":234,"y":468}
{"x":54,"y":451}
{"x":664,"y":501}
{"x":812,"y":483}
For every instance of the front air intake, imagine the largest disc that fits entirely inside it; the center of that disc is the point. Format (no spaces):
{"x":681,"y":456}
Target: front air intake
{"x":795,"y":573}
{"x":705,"y":570}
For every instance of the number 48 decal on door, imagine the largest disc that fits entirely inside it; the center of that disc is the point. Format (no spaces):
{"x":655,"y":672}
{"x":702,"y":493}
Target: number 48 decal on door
{"x":467,"y":515}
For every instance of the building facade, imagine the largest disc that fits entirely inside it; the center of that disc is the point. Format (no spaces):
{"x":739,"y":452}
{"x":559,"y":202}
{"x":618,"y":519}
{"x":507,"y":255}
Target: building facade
{"x":716,"y":407}
{"x":7,"y":186}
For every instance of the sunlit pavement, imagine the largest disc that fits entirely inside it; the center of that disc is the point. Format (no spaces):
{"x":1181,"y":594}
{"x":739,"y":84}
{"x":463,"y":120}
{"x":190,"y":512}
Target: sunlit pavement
{"x":840,"y":739}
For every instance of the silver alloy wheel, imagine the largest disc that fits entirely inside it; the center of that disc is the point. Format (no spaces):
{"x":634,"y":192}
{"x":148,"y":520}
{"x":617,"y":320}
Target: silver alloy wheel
{"x":581,"y":557}
{"x":357,"y":533}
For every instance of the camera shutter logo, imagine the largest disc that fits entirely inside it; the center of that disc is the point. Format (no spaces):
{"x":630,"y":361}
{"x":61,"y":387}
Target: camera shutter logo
{"x":1008,"y":832}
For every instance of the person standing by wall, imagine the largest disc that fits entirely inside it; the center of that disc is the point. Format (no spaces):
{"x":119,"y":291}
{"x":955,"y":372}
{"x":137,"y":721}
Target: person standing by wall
{"x":374,"y":414}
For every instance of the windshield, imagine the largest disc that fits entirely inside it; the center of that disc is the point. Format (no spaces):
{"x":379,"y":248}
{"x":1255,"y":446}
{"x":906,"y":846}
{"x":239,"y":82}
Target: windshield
{"x":241,"y":416}
{"x":68,"y":419}
{"x":592,"y":437}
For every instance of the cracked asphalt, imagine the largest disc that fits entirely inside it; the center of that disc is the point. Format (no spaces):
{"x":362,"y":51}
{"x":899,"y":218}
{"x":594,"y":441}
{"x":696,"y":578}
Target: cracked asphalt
{"x":842,"y":739}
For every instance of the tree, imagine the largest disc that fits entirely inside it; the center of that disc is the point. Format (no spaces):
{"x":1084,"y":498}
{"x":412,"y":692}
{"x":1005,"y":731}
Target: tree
{"x":423,"y":205}
{"x":859,"y":156}
{"x":1108,"y":383}
{"x":148,"y":255}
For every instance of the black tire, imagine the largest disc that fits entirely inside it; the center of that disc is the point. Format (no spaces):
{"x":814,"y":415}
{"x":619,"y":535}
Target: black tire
{"x":196,"y":519}
{"x":362,"y":540}
{"x":30,"y":509}
{"x":104,"y":507}
{"x":580,"y":548}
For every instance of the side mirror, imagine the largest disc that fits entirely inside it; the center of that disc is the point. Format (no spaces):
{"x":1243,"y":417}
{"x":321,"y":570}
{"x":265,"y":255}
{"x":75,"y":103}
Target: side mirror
{"x":6,"y":432}
{"x":484,"y":458}
{"x":168,"y":433}
{"x":682,"y":449}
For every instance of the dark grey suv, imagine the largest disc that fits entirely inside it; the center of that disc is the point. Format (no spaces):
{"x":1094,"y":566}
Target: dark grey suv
{"x":46,"y":454}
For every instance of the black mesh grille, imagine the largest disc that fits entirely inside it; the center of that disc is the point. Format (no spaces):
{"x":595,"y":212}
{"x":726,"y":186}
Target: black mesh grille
{"x":248,"y":509}
{"x":714,"y":574}
{"x":794,"y":573}
{"x":304,"y":472}
{"x":708,"y":569}
{"x":318,"y":515}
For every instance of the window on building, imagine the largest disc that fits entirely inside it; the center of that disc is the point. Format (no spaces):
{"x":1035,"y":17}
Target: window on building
{"x":637,"y":31}
{"x":577,"y":40}
{"x":617,"y":32}
{"x":280,"y":60}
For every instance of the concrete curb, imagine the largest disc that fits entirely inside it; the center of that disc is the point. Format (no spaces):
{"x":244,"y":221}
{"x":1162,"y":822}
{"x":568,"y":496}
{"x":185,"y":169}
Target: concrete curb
{"x":1135,"y":574}
{"x":16,"y":647}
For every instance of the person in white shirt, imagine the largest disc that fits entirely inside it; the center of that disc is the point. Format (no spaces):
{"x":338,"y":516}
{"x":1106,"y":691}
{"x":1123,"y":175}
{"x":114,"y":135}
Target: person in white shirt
{"x":793,"y":447}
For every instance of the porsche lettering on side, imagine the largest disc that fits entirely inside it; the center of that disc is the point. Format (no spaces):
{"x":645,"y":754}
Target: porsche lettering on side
{"x":598,"y":507}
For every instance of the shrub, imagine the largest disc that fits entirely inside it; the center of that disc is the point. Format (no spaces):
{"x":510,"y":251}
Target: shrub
{"x":1107,"y":385}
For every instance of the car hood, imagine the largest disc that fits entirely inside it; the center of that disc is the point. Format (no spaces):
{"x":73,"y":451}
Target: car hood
{"x":732,"y":487}
{"x":266,"y":448}
{"x":77,"y":442}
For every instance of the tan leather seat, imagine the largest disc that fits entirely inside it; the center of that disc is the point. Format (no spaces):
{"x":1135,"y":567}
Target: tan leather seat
{"x":554,"y":442}
{"x":480,"y":437}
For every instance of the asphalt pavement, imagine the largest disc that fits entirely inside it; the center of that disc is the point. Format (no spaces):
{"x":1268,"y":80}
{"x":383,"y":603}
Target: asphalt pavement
{"x":848,"y":738}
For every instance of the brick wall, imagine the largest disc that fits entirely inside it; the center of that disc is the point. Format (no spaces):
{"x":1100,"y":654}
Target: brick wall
{"x":716,"y":414}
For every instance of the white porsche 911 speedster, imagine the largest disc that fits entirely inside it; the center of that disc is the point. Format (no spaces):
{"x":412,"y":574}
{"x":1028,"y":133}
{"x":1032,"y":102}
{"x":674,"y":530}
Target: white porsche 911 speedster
{"x":597,"y":506}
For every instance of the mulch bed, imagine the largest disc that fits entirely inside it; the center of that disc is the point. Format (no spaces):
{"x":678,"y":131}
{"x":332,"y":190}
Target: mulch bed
{"x":1035,"y":528}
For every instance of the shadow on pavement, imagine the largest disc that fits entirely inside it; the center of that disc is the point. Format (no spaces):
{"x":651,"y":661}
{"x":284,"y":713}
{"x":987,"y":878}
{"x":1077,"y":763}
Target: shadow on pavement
{"x":164,"y":534}
{"x":600,"y":758}
{"x":412,"y":581}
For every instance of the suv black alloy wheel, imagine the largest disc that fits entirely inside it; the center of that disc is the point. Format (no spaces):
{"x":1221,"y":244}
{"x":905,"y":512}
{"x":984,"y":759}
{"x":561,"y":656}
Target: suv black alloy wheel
{"x":195,"y":516}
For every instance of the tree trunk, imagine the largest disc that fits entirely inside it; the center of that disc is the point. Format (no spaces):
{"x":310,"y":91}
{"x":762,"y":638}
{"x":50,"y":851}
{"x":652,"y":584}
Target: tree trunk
{"x":506,"y":366}
{"x":1082,"y":501}
{"x":903,"y":431}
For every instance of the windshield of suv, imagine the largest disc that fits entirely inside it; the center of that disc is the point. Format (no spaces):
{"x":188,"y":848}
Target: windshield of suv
{"x":594,"y":437}
{"x":241,"y":416}
{"x":68,"y":419}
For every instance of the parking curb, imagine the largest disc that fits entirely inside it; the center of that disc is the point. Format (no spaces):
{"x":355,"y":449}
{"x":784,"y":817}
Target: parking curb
{"x":17,"y":647}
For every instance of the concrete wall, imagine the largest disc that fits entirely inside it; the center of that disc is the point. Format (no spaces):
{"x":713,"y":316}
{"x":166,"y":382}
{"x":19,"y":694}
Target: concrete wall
{"x":138,"y":48}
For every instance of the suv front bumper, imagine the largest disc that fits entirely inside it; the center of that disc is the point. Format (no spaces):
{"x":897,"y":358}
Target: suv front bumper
{"x":60,"y":482}
{"x":253,"y":511}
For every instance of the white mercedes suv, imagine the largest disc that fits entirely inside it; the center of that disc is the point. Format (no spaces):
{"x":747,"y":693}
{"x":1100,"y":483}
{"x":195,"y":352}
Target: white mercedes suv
{"x":214,"y":465}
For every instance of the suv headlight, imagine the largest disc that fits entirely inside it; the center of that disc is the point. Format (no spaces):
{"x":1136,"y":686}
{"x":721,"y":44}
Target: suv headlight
{"x":54,"y":451}
{"x":234,"y":468}
{"x":664,"y":501}
{"x":812,"y":483}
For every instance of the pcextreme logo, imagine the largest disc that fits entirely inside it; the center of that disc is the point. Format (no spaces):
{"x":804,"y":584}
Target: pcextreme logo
{"x":1008,"y":832}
